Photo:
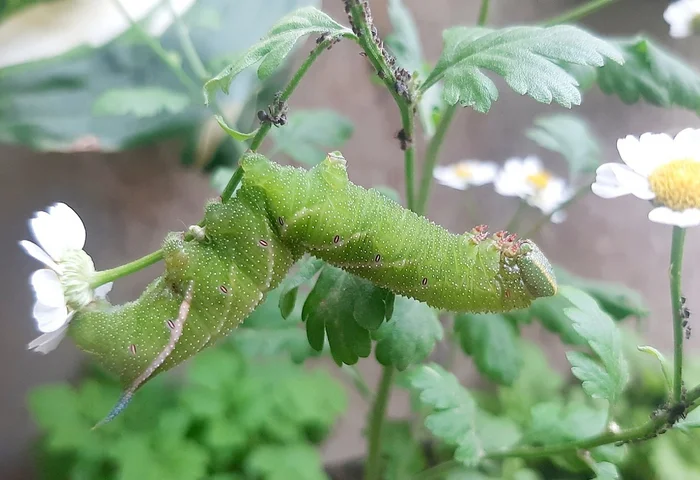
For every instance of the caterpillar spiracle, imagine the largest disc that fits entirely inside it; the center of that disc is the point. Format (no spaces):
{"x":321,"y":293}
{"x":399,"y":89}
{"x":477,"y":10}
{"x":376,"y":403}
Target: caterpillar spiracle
{"x":213,"y":281}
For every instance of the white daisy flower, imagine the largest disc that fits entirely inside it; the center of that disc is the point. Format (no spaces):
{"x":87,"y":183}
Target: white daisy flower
{"x":528,"y":179}
{"x":683,"y":17}
{"x":658,"y":168}
{"x":64,"y":287}
{"x":466,"y":173}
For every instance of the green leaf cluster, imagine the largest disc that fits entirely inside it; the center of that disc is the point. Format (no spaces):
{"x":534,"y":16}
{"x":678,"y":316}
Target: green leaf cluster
{"x":231,"y":418}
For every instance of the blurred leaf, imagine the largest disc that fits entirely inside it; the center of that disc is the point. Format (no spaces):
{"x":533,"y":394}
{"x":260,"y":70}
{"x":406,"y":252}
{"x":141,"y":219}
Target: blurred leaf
{"x":616,"y":299}
{"x":404,"y":40}
{"x":236,"y":135}
{"x":410,"y":336}
{"x":537,"y":383}
{"x":286,"y":462}
{"x":606,"y":471}
{"x":550,"y":312}
{"x":524,"y":56}
{"x":345,"y":308}
{"x":454,"y":411}
{"x":553,"y":422}
{"x":140,"y":102}
{"x":47,"y":104}
{"x":663,"y":363}
{"x":652,"y":74}
{"x":569,"y":136}
{"x":220,"y":178}
{"x":493,"y":342}
{"x":668,"y":462}
{"x":402,"y":453}
{"x":310,"y":134}
{"x":609,"y":380}
{"x":274,"y":47}
{"x":496,"y":433}
{"x":307,"y":269}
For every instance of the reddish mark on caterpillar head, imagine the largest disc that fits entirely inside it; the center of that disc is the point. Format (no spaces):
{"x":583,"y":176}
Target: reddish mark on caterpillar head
{"x":507,"y":293}
{"x":171,"y":324}
{"x":132,"y":349}
{"x":336,"y":239}
{"x":223,"y":289}
{"x":263,"y":243}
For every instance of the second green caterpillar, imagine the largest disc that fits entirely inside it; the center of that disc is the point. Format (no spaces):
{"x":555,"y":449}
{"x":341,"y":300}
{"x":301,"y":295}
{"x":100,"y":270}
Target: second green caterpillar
{"x":217,"y":276}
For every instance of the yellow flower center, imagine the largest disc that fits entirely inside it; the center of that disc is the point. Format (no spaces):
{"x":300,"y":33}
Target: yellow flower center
{"x":540,"y":179}
{"x":463,"y":171}
{"x":677,"y":184}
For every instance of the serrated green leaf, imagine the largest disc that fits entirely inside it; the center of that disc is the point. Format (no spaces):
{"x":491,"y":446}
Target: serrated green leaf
{"x":603,"y":336}
{"x":496,"y":433}
{"x":273,"y":48}
{"x":550,"y":312}
{"x":410,"y":336}
{"x":345,"y":308}
{"x":285,"y":462}
{"x":454,"y":411}
{"x":554,"y":422}
{"x":571,"y":137}
{"x":236,"y":135}
{"x":403,"y":454}
{"x":310,"y":134}
{"x":594,"y":378}
{"x":537,"y":382}
{"x":526,"y":57}
{"x":493,"y":343}
{"x":616,"y":299}
{"x":140,"y":102}
{"x":308,"y":268}
{"x":652,"y":74}
{"x":606,"y":471}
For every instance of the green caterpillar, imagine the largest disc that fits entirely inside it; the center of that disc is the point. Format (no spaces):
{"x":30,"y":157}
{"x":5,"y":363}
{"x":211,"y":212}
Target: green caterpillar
{"x":218,"y":274}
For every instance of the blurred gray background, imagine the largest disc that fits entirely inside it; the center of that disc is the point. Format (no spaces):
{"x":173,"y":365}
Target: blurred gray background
{"x":128,"y":201}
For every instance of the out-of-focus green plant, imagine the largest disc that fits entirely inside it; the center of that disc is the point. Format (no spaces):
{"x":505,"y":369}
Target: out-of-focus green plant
{"x":242,"y":410}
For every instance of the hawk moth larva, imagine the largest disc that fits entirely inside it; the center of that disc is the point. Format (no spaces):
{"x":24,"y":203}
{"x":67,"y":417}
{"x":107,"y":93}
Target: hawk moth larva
{"x":214,"y":280}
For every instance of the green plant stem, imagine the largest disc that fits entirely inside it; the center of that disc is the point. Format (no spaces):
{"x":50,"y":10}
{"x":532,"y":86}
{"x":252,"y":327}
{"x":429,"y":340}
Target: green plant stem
{"x":158,"y":49}
{"x":580,"y":192}
{"x":376,"y":424}
{"x":431,"y":156}
{"x":266,"y":126}
{"x":366,"y":41}
{"x":578,"y":12}
{"x":358,"y":382}
{"x":514,"y":221}
{"x":483,"y":13}
{"x":676,"y":305}
{"x":105,"y":276}
{"x":187,"y":46}
{"x":631,"y":434}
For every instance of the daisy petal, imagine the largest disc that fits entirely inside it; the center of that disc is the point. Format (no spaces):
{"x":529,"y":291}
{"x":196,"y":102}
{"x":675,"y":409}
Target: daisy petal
{"x":47,"y":233}
{"x":35,"y":251}
{"x":48,"y":341}
{"x":103,"y":290}
{"x":686,"y":218}
{"x":645,"y":153}
{"x":47,"y":288}
{"x":615,"y":180}
{"x":50,"y":319}
{"x":72,"y":228}
{"x":447,"y":176}
{"x":483,"y":173}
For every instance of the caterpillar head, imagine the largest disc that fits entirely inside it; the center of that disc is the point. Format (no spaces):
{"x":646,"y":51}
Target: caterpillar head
{"x":536,"y":271}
